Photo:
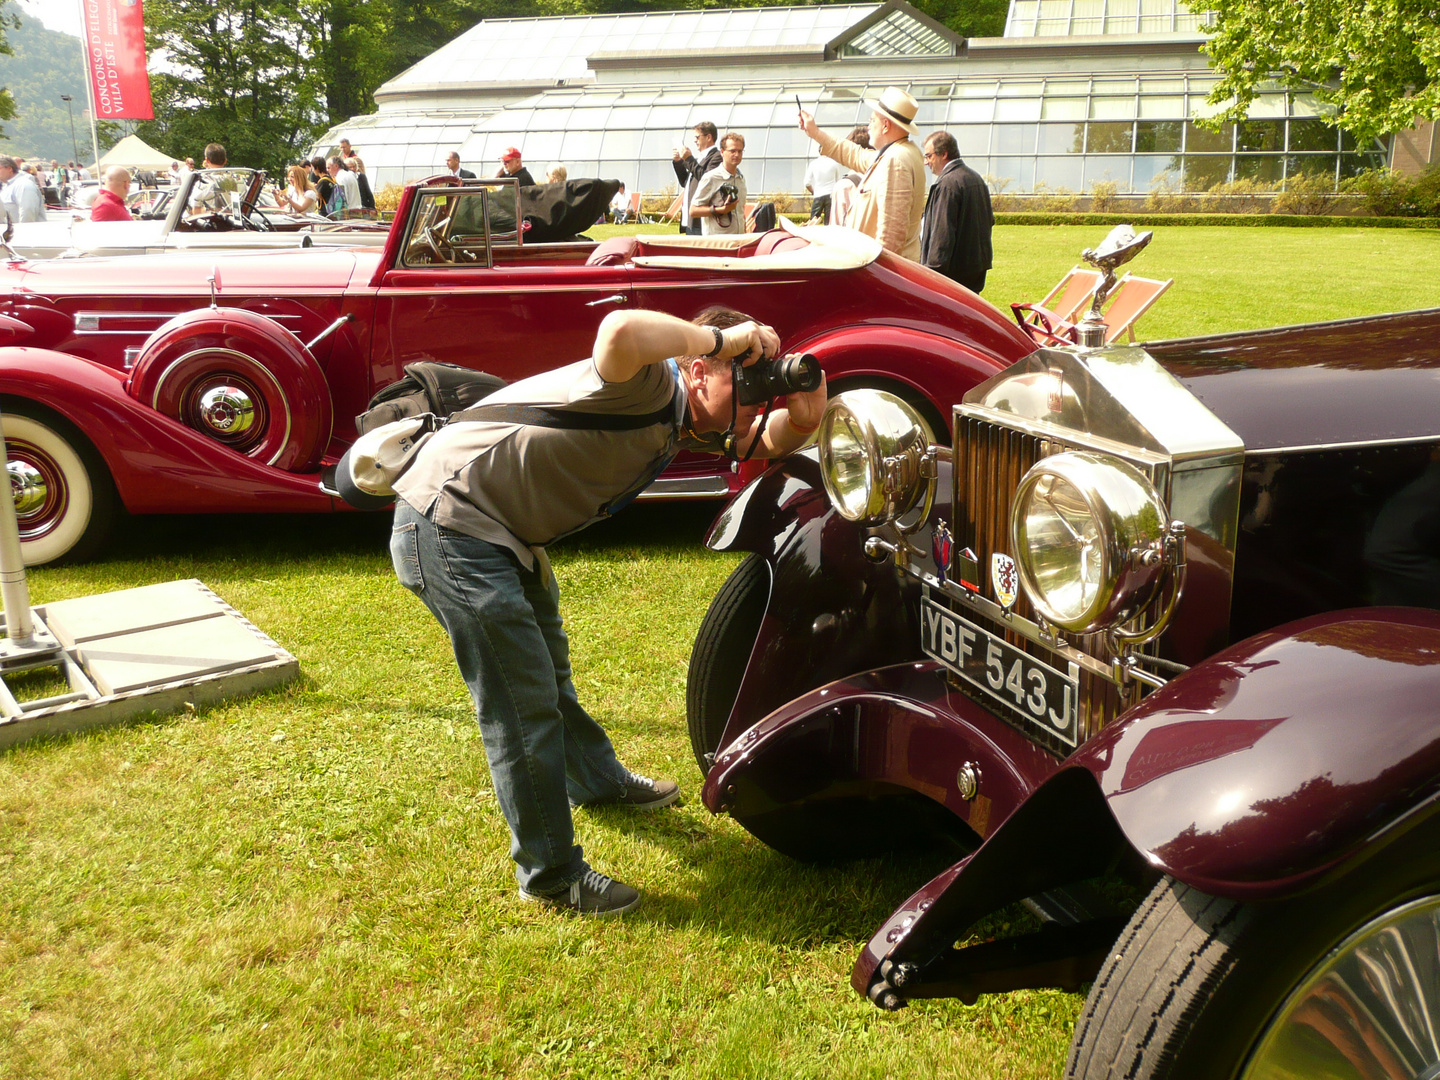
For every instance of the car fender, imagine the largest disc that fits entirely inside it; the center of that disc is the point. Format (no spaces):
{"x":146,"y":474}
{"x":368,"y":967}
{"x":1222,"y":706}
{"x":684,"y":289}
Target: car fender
{"x":831,"y":611}
{"x":158,"y":464}
{"x":1274,"y":762}
{"x":1284,"y":763}
{"x":873,"y":762}
{"x":936,"y":370}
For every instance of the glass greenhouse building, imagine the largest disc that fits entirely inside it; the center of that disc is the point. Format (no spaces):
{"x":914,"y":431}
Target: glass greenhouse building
{"x":1076,"y":92}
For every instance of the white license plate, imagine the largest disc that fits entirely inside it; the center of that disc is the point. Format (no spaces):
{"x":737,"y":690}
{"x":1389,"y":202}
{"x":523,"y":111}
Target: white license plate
{"x":1042,"y":694}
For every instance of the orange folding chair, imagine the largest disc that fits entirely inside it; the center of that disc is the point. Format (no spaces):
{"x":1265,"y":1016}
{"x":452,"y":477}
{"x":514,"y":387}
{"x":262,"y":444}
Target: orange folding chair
{"x":1133,"y":297}
{"x":673,"y":214}
{"x":1052,"y":321}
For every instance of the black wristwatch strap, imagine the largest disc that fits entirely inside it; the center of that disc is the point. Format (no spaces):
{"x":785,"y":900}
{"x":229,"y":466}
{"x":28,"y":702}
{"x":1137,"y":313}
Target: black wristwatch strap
{"x":719,"y":341}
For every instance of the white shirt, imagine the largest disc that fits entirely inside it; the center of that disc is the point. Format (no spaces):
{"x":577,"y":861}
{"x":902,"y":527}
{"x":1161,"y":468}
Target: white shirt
{"x":704,"y":194}
{"x":822,"y":174}
{"x":347,"y":180}
{"x":22,"y":196}
{"x":306,"y":199}
{"x":621,"y":202}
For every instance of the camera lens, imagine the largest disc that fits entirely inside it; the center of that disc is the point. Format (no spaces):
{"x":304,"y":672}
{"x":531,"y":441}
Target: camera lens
{"x":798,"y":373}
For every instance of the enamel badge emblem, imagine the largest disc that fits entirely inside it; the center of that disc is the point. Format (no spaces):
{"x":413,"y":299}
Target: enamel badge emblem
{"x":967,"y":569}
{"x":1004,"y":579}
{"x":941,"y":544}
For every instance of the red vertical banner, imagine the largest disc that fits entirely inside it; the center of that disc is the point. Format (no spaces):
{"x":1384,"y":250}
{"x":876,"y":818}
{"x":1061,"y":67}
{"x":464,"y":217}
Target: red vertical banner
{"x":115,"y":56}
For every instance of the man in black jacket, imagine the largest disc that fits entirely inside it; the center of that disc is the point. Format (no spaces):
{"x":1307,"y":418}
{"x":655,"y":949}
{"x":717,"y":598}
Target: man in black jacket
{"x":689,"y":168}
{"x":452,"y":165}
{"x":955,"y":231}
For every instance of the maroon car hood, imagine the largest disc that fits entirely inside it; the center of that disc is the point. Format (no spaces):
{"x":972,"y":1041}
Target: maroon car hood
{"x":1364,"y":380}
{"x":270,"y":272}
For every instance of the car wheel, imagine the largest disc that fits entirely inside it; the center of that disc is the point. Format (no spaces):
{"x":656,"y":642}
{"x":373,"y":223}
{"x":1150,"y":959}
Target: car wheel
{"x":240,"y":379}
{"x":1197,"y":986}
{"x":722,"y":651}
{"x":65,"y":501}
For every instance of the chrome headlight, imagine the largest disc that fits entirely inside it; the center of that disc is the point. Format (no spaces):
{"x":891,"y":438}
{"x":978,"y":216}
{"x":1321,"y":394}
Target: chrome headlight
{"x":871,"y":448}
{"x":1088,"y":532}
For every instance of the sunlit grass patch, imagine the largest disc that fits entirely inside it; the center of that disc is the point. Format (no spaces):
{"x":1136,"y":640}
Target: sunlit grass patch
{"x":315,"y":881}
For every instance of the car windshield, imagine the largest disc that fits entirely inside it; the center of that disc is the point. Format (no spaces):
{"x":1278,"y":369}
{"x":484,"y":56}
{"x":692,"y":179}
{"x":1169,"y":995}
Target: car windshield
{"x":149,"y":203}
{"x":450,"y":224}
{"x":218,"y":191}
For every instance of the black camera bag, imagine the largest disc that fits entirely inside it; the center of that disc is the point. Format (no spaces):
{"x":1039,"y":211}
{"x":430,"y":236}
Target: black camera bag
{"x":429,"y":386}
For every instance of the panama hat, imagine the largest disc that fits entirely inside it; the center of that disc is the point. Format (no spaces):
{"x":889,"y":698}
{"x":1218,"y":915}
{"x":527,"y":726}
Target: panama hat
{"x":898,"y":107}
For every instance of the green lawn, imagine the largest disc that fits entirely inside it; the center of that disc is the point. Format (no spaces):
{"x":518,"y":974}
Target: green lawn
{"x":315,"y":882}
{"x":1226,"y":278}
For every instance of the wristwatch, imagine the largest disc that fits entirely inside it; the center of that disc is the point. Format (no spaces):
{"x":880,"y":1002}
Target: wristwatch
{"x":719,"y":341}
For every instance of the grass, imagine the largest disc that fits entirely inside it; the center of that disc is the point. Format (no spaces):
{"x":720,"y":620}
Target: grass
{"x":1334,"y":275}
{"x":314,"y":882}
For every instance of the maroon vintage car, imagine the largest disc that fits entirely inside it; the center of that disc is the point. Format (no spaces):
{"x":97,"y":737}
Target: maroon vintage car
{"x":175,"y":383}
{"x":1163,"y":620}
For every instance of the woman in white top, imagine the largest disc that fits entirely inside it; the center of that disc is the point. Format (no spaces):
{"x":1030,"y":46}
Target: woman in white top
{"x":299,"y":197}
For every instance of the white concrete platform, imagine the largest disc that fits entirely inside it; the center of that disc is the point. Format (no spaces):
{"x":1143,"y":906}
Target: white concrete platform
{"x":142,"y":651}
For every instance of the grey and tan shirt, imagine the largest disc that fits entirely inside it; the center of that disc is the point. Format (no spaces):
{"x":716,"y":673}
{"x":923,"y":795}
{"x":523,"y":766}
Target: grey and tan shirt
{"x":522,"y":486}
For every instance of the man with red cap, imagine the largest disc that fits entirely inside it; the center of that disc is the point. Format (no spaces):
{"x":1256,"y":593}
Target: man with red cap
{"x":510,"y":166}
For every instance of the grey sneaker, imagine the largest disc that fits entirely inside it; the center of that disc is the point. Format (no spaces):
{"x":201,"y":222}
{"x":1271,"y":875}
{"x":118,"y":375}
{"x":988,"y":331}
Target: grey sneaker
{"x":593,"y":894}
{"x":641,"y":793}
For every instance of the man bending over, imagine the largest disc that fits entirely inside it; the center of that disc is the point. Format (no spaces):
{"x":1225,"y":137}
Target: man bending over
{"x":483,"y":498}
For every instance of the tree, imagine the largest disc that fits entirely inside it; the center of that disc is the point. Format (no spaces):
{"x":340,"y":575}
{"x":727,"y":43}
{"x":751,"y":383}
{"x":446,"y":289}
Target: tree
{"x":235,"y":72}
{"x":1377,"y":61}
{"x":8,"y":20}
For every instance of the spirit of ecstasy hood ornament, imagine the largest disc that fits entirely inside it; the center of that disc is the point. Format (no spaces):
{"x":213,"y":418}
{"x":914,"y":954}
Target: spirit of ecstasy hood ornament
{"x":1117,"y":249}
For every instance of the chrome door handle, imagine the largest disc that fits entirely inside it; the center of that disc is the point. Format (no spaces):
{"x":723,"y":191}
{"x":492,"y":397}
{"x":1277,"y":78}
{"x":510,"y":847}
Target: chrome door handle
{"x":617,"y":298}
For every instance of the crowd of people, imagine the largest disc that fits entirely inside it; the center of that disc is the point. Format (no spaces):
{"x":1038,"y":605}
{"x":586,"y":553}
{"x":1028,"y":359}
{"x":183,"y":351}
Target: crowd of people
{"x":871,"y":180}
{"x":329,"y":186}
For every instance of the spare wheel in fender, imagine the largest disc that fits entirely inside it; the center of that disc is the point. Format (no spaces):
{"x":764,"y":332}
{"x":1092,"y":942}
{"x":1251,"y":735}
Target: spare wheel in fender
{"x":240,"y":379}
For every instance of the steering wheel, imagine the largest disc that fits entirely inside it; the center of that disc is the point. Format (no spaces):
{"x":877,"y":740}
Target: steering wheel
{"x":429,"y":236}
{"x":252,"y":217}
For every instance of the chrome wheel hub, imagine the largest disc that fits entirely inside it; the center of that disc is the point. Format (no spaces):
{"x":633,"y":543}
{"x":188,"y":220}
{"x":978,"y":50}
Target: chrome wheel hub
{"x":27,"y":487}
{"x":227,"y":411}
{"x":1369,"y":1010}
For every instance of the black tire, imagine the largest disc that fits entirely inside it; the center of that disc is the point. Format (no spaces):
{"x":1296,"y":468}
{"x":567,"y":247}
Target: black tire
{"x":1201,"y":987}
{"x":722,"y":650}
{"x":71,"y":504}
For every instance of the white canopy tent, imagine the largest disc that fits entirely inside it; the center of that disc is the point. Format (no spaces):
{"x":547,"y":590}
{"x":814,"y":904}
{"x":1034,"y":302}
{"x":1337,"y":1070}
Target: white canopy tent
{"x":134,"y":153}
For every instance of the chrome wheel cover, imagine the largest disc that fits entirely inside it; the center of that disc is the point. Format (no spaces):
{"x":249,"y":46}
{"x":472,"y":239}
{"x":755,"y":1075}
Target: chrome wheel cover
{"x":1370,"y":1010}
{"x":38,"y":486}
{"x":28,"y":487}
{"x":227,"y":411}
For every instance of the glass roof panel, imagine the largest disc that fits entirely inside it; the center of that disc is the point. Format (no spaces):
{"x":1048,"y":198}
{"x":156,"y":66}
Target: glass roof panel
{"x":1066,"y":18}
{"x":898,"y":34}
{"x":548,"y":49}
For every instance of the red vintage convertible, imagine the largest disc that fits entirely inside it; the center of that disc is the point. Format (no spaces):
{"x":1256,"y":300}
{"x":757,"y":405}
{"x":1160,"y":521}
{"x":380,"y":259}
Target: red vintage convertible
{"x":196,"y":384}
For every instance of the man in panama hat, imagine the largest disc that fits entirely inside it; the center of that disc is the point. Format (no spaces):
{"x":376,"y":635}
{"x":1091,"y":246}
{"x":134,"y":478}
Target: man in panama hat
{"x":891,"y":198}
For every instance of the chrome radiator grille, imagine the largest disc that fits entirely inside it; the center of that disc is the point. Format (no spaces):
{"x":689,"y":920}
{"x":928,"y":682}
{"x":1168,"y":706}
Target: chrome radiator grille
{"x":990,"y":460}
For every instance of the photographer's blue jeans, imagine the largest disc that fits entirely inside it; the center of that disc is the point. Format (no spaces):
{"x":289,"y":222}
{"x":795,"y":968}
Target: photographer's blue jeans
{"x":545,"y":751}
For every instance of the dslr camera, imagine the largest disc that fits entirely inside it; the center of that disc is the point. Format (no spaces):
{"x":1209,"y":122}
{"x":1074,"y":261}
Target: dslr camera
{"x":775,"y":377}
{"x":725,"y":193}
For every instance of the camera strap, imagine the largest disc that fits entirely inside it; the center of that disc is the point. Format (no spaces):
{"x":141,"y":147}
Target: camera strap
{"x":732,"y":439}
